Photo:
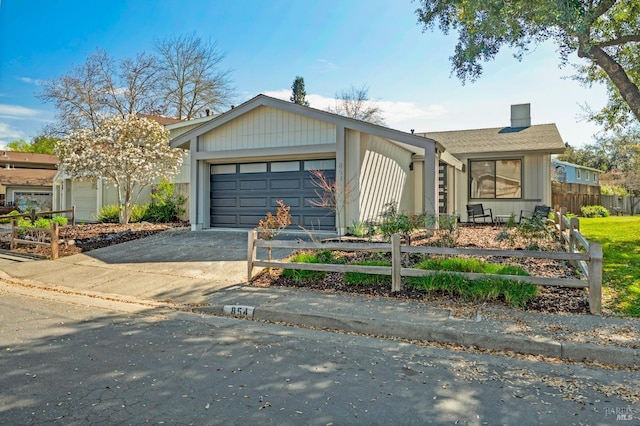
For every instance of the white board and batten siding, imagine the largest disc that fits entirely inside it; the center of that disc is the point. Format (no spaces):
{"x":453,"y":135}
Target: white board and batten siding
{"x":384,"y":173}
{"x":267,"y":127}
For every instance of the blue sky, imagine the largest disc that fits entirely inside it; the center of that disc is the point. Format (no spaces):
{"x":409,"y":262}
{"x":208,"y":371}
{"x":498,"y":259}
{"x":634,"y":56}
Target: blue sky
{"x":332,"y":44}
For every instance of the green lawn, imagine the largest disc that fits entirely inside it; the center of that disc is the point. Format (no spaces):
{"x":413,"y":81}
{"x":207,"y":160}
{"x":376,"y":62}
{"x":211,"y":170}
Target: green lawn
{"x":620,"y":239}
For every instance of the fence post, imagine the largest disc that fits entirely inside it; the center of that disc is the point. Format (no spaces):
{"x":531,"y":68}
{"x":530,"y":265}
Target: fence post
{"x":33,"y":216}
{"x":574,"y":226}
{"x":563,"y":213}
{"x":73,"y":215}
{"x":251,"y":253}
{"x":595,"y":278}
{"x":396,"y":263}
{"x":54,"y":240}
{"x":14,"y":233}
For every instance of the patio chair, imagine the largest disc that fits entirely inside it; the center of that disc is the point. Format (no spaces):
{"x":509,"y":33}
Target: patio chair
{"x":477,"y":211}
{"x":539,"y":212}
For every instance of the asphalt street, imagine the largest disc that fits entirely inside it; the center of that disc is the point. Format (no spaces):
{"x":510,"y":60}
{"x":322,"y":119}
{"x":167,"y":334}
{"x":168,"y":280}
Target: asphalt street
{"x":79,"y":360}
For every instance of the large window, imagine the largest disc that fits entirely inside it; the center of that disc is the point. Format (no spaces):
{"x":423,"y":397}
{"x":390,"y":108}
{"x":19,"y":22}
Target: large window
{"x":495,"y":178}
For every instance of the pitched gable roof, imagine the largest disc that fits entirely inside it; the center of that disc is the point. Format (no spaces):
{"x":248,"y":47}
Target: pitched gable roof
{"x":540,"y":138}
{"x":264,"y":100}
{"x":160,"y":119}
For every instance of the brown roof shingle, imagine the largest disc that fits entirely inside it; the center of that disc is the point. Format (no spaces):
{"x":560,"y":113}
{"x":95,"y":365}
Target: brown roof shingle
{"x":28,"y":159}
{"x":539,"y":137}
{"x":28,"y":177}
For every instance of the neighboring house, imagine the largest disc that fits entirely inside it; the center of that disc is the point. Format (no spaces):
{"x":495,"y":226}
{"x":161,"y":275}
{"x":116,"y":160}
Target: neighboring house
{"x":26,"y":180}
{"x":507,"y":169}
{"x":262,"y":151}
{"x":564,"y":172}
{"x":90,"y":196}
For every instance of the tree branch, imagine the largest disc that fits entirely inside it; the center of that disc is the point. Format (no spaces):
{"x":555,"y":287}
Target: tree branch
{"x":631,"y":38}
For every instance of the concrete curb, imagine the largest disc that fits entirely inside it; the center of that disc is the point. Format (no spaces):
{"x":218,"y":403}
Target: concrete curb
{"x":435,"y":333}
{"x":620,"y":356}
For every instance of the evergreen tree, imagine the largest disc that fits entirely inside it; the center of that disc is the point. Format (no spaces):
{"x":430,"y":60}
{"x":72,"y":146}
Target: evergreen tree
{"x":298,"y":95}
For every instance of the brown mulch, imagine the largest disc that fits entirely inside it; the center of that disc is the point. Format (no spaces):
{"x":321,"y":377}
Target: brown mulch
{"x":83,"y":238}
{"x":549,"y":299}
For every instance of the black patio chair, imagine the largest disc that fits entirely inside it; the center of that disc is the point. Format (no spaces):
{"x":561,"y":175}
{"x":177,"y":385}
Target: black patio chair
{"x":477,"y":211}
{"x":539,"y":212}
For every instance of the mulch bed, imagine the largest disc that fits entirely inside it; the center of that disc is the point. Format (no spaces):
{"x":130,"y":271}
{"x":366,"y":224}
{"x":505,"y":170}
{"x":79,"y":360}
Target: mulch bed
{"x":549,"y":299}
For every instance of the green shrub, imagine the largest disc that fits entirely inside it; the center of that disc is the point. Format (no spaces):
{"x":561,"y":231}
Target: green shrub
{"x":108,"y":214}
{"x":594,"y":211}
{"x":138,"y":213}
{"x":617,"y":190}
{"x":165,"y":206}
{"x":397,"y":222}
{"x":303,"y":276}
{"x":358,"y":229}
{"x":360,"y":278}
{"x":8,"y":219}
{"x":486,"y":289}
{"x":60,"y":220}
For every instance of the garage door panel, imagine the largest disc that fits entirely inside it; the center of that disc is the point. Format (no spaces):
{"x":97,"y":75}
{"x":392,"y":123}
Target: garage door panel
{"x":252,"y":185}
{"x":319,"y":222}
{"x":224,"y":202}
{"x":224,"y":219}
{"x":277,"y":184}
{"x":240,"y":200}
{"x":224,"y":185}
{"x":291,"y":202}
{"x":253,"y":202}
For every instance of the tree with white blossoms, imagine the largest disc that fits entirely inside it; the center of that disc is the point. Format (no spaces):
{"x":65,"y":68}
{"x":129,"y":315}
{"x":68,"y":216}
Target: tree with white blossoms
{"x":129,"y":152}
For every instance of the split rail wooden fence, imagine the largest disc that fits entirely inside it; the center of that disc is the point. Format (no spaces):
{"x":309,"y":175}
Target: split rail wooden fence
{"x":48,"y":236}
{"x":588,"y":260}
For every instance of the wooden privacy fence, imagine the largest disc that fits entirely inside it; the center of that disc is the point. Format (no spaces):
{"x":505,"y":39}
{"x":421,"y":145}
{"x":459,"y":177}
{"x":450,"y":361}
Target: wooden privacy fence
{"x":593,"y":260}
{"x":52,"y":233}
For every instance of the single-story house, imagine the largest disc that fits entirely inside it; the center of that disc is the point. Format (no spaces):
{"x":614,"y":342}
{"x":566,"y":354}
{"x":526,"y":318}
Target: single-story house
{"x":90,"y":196}
{"x":565,"y":172}
{"x":507,"y":169}
{"x":26,"y":180}
{"x":245,"y":160}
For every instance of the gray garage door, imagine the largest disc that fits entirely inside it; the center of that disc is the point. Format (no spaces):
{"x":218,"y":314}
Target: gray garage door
{"x":242,"y":194}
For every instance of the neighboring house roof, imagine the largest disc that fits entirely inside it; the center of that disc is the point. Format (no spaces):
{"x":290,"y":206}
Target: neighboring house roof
{"x":263,"y":100}
{"x":577,"y":166}
{"x":161,"y":119}
{"x":28,"y":160}
{"x":540,"y":137}
{"x":27,"y":177}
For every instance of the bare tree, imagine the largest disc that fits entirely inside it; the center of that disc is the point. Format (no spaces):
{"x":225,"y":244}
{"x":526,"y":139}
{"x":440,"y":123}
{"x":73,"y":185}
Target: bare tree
{"x":355,"y":103}
{"x":102,"y":87}
{"x":191,"y":77}
{"x":182,"y":79}
{"x":79,"y":96}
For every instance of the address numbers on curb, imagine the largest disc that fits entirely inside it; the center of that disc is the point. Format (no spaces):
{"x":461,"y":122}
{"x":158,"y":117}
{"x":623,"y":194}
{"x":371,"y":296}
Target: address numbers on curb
{"x":239,"y":310}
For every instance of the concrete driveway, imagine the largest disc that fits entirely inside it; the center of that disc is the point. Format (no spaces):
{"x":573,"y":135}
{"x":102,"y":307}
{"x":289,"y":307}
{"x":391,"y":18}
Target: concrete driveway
{"x":177,"y":265}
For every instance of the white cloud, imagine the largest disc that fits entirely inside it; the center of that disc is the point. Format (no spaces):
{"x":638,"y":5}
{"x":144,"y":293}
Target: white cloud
{"x":30,"y":80}
{"x":398,"y":115}
{"x":17,"y":111}
{"x":8,"y":134}
{"x":322,"y":65}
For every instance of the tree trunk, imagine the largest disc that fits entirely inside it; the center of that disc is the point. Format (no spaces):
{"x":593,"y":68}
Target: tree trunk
{"x":628,"y":90}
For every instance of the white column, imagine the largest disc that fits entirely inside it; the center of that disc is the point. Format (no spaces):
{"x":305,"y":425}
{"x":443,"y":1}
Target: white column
{"x":430,"y":181}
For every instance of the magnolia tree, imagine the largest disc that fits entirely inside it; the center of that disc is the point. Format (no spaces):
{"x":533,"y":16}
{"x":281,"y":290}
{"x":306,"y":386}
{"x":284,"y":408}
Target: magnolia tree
{"x":129,"y":152}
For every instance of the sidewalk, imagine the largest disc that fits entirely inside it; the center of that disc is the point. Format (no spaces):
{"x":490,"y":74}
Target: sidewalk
{"x":206,"y":272}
